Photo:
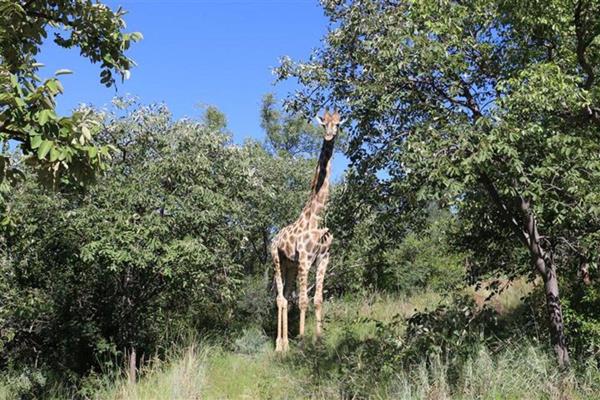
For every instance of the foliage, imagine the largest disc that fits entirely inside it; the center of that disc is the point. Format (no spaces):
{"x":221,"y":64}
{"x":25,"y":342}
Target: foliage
{"x":287,"y":133}
{"x":426,"y":259}
{"x":582,"y":318}
{"x":61,"y":148}
{"x":451,"y":331}
{"x":161,"y":243}
{"x":491,"y":107}
{"x":399,"y":250}
{"x":364,"y":223}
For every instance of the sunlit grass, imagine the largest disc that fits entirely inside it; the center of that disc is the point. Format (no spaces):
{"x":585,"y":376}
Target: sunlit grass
{"x":183,"y":377}
{"x":248,"y":367}
{"x":523,"y":372}
{"x":242,"y":376}
{"x":5,"y":393}
{"x":355,"y":312}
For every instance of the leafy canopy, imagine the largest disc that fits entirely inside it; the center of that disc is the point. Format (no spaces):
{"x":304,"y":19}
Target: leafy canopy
{"x":170,"y":238}
{"x":59,"y":147}
{"x":459,"y":100}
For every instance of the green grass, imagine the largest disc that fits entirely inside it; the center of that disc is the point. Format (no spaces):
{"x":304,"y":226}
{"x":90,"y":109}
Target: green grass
{"x":183,"y":377}
{"x":250,"y":369}
{"x":524,"y":372}
{"x":340,"y":314}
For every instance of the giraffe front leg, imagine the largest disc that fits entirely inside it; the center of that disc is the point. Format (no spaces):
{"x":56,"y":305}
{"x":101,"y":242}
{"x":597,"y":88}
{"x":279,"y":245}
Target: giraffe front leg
{"x":280,"y":342}
{"x":303,"y":292}
{"x":318,"y":300}
{"x":284,"y":339}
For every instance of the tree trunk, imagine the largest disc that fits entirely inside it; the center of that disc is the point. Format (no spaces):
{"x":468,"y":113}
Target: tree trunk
{"x":555,"y":318}
{"x":132,"y":366}
{"x":527,"y":232}
{"x":544,"y":264}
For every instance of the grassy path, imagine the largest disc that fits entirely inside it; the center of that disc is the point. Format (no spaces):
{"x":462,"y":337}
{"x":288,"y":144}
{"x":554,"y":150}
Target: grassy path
{"x":251,"y":369}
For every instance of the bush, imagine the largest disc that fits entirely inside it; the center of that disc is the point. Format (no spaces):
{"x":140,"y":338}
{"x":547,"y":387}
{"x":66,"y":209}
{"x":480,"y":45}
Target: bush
{"x":452,"y":331}
{"x":256,"y":304}
{"x":426,"y":258}
{"x":581,"y":311}
{"x":372,"y":252}
{"x":165,"y":241}
{"x":252,"y":341}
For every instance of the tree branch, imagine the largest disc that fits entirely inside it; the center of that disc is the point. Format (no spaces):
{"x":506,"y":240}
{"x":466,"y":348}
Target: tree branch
{"x":582,"y":45}
{"x":509,"y":217}
{"x":50,"y":18}
{"x":27,"y":4}
{"x":17,"y":135}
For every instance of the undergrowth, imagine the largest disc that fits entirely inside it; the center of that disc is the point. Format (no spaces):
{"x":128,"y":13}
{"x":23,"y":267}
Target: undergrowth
{"x":370,"y":351}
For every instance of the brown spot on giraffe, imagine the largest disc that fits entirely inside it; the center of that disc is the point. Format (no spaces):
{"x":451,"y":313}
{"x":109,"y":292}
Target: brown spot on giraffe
{"x":302,"y":244}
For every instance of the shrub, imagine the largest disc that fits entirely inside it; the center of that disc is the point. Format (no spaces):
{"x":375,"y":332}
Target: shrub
{"x":426,"y":258}
{"x":451,"y":331}
{"x":581,"y":310}
{"x":162,"y":243}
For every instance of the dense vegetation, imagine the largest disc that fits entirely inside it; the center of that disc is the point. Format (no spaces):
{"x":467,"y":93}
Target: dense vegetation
{"x":488,"y":107}
{"x":60,"y":149}
{"x":466,"y":229}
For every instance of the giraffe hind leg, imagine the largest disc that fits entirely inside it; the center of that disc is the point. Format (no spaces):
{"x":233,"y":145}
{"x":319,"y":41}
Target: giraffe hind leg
{"x":303,"y":268}
{"x":318,"y":299}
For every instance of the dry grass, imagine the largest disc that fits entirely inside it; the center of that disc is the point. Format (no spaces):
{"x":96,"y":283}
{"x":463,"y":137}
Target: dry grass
{"x":181,"y":378}
{"x":523,"y":372}
{"x":253,"y":371}
{"x":510,"y":297}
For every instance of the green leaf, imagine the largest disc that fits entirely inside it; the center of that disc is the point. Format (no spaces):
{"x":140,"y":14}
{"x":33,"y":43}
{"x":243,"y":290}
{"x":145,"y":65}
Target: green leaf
{"x":54,"y":86}
{"x":6,"y":98}
{"x":63,"y":72}
{"x":86,"y":132}
{"x":54,"y":153}
{"x":20,"y":102}
{"x":136,"y":36}
{"x":35,"y":141}
{"x":44,"y":148}
{"x":45,"y":115}
{"x":92,"y":152}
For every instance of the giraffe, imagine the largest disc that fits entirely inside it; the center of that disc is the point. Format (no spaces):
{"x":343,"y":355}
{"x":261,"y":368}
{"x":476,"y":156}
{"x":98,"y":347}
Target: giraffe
{"x":304,"y":243}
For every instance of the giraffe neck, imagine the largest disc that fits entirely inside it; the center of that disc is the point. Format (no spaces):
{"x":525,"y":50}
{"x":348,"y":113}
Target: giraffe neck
{"x":319,"y":193}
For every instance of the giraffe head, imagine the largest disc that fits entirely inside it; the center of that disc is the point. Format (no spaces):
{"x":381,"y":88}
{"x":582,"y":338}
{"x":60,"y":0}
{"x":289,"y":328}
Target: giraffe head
{"x":330,"y":122}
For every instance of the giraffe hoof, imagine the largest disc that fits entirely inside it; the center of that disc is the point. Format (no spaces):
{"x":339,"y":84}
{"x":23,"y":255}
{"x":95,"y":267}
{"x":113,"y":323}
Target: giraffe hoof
{"x":281,"y":346}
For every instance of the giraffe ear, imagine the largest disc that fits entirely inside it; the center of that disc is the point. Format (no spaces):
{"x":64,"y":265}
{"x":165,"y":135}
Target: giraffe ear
{"x":319,"y":120}
{"x":335,"y":117}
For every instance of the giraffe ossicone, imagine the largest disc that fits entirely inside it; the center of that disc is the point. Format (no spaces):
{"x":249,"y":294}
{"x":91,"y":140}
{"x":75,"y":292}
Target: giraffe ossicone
{"x":304,"y":243}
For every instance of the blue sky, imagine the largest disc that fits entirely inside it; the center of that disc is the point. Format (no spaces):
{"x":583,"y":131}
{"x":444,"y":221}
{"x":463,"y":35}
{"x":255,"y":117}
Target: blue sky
{"x":200,"y":52}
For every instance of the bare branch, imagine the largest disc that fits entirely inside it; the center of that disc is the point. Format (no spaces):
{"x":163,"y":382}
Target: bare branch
{"x":582,"y":45}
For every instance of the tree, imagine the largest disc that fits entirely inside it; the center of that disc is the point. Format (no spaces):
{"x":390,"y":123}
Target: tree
{"x":491,"y":107}
{"x":289,"y":133}
{"x":60,"y":148}
{"x":167,"y":239}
